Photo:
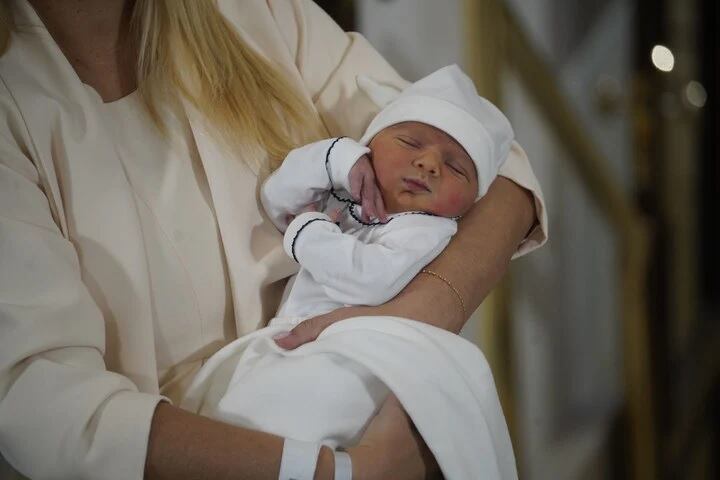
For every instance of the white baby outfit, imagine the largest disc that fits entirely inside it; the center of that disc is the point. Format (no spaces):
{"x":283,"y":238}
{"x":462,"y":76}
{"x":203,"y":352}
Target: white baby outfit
{"x":327,"y":390}
{"x":351,"y":262}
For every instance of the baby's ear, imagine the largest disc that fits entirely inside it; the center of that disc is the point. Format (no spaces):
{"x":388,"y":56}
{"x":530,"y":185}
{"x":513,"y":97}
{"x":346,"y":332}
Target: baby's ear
{"x":381,"y":95}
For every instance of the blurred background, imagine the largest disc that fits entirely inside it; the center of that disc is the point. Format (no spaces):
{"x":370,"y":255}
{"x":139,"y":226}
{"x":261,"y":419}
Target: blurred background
{"x":605,"y":344}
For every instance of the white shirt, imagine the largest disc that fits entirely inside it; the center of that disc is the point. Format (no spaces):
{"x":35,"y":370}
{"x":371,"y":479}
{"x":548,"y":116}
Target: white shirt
{"x":193,"y":314}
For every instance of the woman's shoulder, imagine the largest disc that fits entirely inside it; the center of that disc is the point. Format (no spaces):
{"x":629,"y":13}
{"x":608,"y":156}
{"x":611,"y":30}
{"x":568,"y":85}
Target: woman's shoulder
{"x":295,"y":31}
{"x":269,"y":24}
{"x":303,"y":39}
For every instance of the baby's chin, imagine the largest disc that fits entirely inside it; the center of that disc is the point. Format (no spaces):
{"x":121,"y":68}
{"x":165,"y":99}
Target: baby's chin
{"x":433,"y":210}
{"x":453,"y":211}
{"x":442,"y":207}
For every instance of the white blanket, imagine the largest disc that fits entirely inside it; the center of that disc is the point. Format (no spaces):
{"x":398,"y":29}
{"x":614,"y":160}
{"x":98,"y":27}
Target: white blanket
{"x":327,"y":390}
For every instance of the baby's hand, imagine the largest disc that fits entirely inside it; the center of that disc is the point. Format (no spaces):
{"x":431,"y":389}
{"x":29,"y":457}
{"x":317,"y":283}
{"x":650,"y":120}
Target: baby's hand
{"x":313,"y":207}
{"x":365,"y":190}
{"x":335,"y":215}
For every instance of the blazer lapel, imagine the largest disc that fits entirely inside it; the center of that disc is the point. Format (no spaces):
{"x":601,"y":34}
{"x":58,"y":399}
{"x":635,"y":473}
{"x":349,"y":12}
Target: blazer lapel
{"x":87,"y":189}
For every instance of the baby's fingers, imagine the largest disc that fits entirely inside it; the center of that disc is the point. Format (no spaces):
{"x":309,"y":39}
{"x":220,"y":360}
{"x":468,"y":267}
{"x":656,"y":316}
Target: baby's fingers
{"x":368,"y":200}
{"x":356,"y":185}
{"x":313,"y":207}
{"x":335,"y":215}
{"x":380,"y":207}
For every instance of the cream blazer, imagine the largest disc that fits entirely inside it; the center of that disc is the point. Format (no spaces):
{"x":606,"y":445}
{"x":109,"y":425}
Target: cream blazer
{"x":78,"y":376}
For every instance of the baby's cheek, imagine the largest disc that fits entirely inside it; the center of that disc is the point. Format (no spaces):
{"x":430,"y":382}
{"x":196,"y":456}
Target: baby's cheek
{"x":452,"y":204}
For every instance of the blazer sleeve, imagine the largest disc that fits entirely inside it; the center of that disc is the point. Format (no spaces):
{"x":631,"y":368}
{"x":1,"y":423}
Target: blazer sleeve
{"x":306,"y":176}
{"x":62,"y":414}
{"x":329,"y":61}
{"x":354,"y":272}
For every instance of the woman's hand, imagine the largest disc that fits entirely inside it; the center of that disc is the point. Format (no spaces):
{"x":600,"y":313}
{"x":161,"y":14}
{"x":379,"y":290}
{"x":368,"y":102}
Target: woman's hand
{"x":392,"y":448}
{"x":308,"y":330}
{"x":421,"y":300}
{"x":364,"y":189}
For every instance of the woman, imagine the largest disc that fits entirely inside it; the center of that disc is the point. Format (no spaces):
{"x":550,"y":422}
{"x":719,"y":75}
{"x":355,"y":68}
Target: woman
{"x":134,"y":136}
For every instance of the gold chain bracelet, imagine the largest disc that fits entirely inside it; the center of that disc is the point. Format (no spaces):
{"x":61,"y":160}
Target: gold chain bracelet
{"x":447,"y":282}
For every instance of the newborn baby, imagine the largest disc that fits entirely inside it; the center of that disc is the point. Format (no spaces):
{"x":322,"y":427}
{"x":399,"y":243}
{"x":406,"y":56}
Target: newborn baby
{"x":434,"y":148}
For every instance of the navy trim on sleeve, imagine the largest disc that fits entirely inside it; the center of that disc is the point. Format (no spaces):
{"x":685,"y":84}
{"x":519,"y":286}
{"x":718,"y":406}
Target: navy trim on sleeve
{"x":297,"y":234}
{"x":327,"y":169}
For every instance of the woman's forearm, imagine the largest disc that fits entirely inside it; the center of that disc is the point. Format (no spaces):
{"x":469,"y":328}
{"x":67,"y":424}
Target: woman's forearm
{"x":473,"y":262}
{"x":185,"y":445}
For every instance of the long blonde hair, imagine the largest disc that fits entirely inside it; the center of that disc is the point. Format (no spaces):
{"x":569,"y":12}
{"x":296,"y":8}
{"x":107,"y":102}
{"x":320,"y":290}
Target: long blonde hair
{"x":188,"y":50}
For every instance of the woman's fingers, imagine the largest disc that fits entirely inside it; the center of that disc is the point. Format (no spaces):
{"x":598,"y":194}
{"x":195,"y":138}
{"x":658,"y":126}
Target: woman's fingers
{"x":307,"y":331}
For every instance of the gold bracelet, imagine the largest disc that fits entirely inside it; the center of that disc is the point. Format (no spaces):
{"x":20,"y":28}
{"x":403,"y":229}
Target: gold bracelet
{"x":447,"y":282}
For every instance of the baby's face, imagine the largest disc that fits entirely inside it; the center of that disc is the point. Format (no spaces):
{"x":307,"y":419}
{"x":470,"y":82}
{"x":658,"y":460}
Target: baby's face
{"x":422,"y":168}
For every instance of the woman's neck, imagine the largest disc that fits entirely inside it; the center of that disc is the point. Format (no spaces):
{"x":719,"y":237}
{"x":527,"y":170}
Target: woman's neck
{"x":93,"y":36}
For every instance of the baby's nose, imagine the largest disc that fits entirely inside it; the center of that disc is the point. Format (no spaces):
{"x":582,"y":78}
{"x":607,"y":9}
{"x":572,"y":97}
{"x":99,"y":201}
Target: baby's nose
{"x":428,"y":162}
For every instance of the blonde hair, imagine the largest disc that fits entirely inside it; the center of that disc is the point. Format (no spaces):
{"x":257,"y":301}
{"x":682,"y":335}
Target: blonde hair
{"x":189,"y":51}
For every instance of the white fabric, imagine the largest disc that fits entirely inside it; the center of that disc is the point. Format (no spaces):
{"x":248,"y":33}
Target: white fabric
{"x":349,"y":263}
{"x":299,"y":460}
{"x":303,"y":177}
{"x":328,"y":389}
{"x":343,"y":466}
{"x":447,"y":99}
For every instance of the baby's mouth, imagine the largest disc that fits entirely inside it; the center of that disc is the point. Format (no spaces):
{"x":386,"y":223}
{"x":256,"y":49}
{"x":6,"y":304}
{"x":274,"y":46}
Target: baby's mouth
{"x":416,"y":185}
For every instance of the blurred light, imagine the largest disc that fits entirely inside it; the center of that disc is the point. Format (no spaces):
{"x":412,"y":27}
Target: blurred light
{"x":695,"y":94}
{"x":662,"y":58}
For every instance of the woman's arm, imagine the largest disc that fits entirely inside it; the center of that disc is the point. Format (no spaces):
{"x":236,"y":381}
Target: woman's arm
{"x":474,"y":262}
{"x":185,"y":445}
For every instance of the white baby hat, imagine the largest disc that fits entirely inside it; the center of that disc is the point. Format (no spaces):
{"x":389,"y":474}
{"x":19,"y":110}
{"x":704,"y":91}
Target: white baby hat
{"x":446,"y":99}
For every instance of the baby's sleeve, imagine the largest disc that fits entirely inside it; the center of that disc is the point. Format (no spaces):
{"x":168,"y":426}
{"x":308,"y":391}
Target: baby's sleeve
{"x":306,"y":176}
{"x":354,"y":272}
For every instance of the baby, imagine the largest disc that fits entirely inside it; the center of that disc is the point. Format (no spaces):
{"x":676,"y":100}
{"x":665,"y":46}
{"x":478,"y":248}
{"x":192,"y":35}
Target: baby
{"x":435,"y":148}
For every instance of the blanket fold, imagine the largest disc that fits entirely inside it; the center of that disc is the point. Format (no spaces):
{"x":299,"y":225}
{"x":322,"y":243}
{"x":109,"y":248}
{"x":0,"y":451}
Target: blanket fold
{"x":328,"y":390}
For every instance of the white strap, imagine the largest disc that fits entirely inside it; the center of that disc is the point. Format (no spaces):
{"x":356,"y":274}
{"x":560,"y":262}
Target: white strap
{"x":343,"y":466}
{"x":299,"y":460}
